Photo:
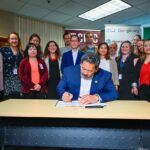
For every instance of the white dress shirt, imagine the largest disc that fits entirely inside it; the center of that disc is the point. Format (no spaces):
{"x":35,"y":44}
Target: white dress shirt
{"x":104,"y":64}
{"x":85,"y":86}
{"x":74,"y":55}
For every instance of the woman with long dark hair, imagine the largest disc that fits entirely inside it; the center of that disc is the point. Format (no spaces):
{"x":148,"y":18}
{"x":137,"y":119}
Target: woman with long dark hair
{"x":52,"y":59}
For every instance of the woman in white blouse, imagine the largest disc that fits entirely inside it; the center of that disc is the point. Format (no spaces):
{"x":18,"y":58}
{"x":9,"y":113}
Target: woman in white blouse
{"x":106,"y":63}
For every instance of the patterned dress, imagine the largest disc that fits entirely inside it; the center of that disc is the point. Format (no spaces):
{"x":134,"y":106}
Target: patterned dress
{"x":12,"y":84}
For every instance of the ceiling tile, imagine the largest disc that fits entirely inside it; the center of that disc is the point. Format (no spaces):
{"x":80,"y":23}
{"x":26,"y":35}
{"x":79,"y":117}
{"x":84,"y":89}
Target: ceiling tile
{"x":56,"y":17}
{"x":136,"y":2}
{"x":76,"y":22}
{"x":90,"y":3}
{"x":73,"y":9}
{"x":145,"y":7}
{"x":33,"y":11}
{"x":52,"y":5}
{"x":12,"y":6}
{"x":129,"y":13}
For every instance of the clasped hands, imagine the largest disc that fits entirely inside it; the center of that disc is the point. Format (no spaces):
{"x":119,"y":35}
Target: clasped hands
{"x":37,"y":87}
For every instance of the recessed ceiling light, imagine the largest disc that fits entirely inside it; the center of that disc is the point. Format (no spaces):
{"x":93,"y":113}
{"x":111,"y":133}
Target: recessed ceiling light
{"x":104,"y":10}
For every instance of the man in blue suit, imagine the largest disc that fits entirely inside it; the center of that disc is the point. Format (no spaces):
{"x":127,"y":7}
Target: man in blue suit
{"x":86,"y":82}
{"x":72,"y":57}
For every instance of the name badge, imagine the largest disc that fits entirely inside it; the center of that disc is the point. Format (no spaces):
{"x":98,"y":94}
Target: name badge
{"x":41,"y":66}
{"x":120,"y":76}
{"x":15,"y":71}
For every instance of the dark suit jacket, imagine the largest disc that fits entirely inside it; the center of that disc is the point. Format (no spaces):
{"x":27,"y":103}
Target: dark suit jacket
{"x":25,"y":75}
{"x":67,"y":59}
{"x":101,"y":84}
{"x":128,"y":72}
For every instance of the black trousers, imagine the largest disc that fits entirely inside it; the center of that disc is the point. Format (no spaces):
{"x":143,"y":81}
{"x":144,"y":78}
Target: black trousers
{"x":144,"y":92}
{"x":13,"y":96}
{"x":34,"y":95}
{"x":1,"y":95}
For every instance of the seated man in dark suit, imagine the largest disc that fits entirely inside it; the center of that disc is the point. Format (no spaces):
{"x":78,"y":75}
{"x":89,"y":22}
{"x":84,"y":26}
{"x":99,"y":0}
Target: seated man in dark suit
{"x":72,"y":57}
{"x":86,"y":82}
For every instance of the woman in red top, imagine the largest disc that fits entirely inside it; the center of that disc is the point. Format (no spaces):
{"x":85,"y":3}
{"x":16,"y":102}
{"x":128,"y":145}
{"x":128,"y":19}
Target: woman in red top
{"x":144,"y":73}
{"x":33,"y":74}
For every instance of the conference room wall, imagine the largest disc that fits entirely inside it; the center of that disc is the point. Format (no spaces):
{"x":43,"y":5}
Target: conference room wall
{"x":25,"y":26}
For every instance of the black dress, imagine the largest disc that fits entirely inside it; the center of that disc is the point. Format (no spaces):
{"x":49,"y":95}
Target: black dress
{"x":127,"y":72}
{"x":54,"y":78}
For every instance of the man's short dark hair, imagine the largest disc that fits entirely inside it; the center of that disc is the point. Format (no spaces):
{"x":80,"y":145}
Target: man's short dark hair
{"x":66,"y":33}
{"x":91,"y":58}
{"x":74,"y":35}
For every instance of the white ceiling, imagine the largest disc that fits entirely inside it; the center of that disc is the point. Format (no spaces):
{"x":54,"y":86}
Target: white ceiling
{"x":65,"y":12}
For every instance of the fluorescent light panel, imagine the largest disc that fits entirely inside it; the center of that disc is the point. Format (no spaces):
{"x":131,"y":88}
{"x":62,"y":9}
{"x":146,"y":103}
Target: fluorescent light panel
{"x":104,"y":10}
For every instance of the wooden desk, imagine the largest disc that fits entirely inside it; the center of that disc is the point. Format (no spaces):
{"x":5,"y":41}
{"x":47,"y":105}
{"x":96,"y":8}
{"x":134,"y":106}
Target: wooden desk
{"x":40,"y":123}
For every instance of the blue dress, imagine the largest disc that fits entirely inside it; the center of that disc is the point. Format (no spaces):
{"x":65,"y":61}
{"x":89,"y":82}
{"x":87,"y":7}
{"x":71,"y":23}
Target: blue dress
{"x":12,"y":84}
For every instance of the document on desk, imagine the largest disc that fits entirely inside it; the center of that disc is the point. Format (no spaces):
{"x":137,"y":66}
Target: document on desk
{"x":76,"y":103}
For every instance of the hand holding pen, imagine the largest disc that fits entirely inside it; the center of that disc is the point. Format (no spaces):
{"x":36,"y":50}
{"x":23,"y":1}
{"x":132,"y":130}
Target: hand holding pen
{"x":67,"y":97}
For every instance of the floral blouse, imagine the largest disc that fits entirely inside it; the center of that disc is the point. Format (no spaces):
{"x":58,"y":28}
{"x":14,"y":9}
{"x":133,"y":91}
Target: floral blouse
{"x":12,"y":84}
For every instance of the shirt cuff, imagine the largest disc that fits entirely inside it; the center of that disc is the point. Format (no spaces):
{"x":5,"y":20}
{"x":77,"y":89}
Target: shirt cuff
{"x":134,"y":84}
{"x":99,"y":98}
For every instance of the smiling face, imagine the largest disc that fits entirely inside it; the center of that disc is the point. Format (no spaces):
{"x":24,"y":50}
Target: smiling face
{"x":35,"y":40}
{"x":103,"y":50}
{"x":147,"y":47}
{"x":74,"y":42}
{"x":13,"y":40}
{"x":140,"y":46}
{"x":113,"y":49}
{"x":67,"y":39}
{"x":135,"y":40}
{"x":125,"y":48}
{"x":52,"y":47}
{"x":89,"y":38}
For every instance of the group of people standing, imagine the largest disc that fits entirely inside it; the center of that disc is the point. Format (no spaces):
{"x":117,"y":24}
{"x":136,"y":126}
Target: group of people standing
{"x":35,"y":74}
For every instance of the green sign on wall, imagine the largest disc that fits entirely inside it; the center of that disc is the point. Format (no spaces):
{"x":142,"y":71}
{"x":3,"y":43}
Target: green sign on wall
{"x":146,"y":33}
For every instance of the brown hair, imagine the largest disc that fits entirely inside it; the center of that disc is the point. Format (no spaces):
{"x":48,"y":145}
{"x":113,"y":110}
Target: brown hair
{"x":107,"y":54}
{"x":34,"y":35}
{"x":46,"y":51}
{"x":28,"y":46}
{"x":19,"y":41}
{"x":87,"y":33}
{"x":128,"y":42}
{"x":66,"y":33}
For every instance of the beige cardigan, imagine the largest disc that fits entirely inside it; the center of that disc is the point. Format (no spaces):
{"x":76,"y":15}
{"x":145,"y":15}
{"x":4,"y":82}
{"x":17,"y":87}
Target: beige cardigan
{"x":1,"y":73}
{"x":114,"y":71}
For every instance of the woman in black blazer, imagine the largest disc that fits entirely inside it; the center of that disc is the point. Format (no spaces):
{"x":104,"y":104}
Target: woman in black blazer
{"x":126,"y":70}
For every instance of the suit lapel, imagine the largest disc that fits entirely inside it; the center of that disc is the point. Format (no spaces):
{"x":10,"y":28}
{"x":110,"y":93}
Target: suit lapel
{"x":94,"y":84}
{"x":78,"y":58}
{"x":78,"y":81}
{"x":71,"y":58}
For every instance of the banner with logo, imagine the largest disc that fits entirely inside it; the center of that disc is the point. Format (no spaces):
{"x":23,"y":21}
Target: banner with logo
{"x":81,"y":34}
{"x":120,"y":33}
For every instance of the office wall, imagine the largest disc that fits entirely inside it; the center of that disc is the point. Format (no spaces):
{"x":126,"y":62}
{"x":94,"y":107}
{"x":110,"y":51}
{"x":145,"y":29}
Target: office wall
{"x":25,"y":26}
{"x":7,"y":23}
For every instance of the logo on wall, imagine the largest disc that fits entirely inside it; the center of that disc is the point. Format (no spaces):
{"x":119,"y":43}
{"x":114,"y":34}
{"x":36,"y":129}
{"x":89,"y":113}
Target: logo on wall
{"x":81,"y":34}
